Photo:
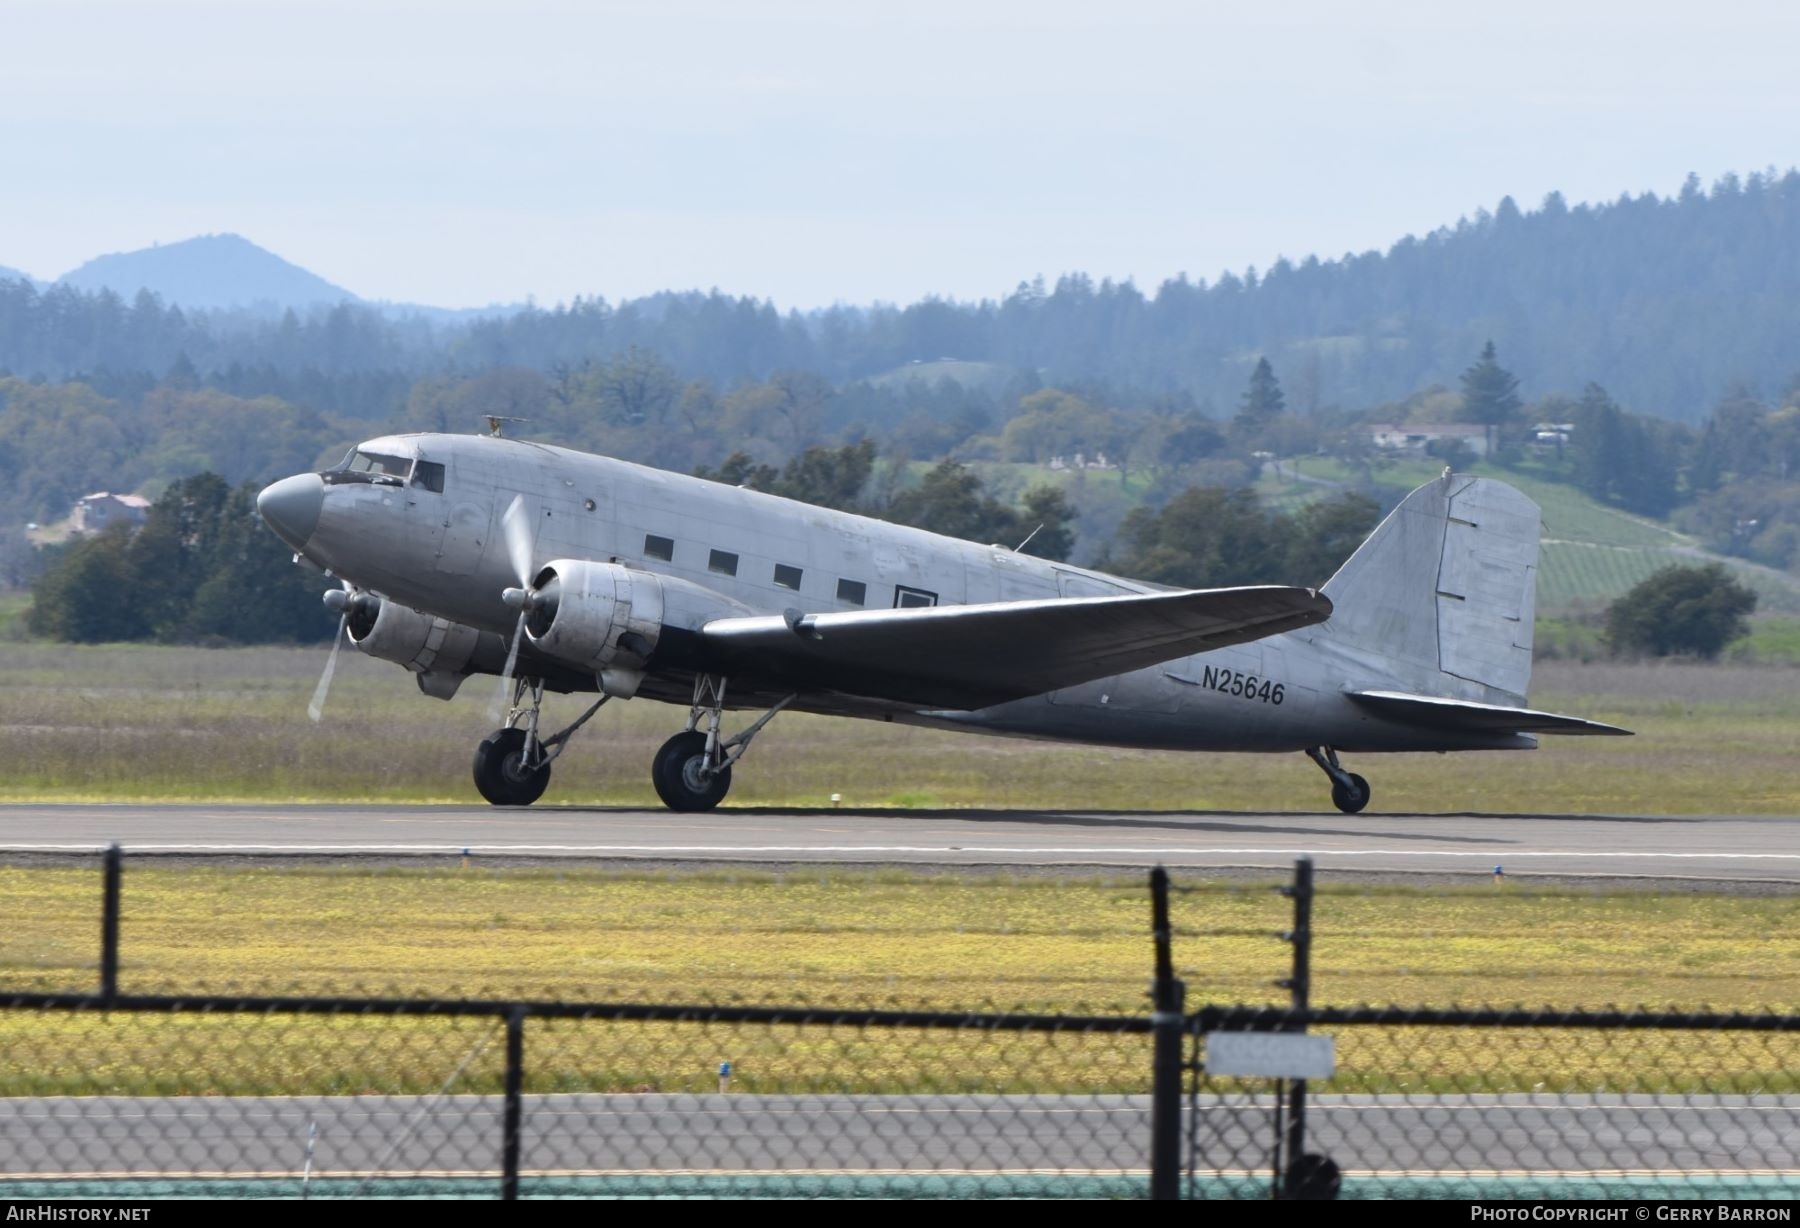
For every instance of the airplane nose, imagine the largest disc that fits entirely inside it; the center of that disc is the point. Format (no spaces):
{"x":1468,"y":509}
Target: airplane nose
{"x":291,"y":507}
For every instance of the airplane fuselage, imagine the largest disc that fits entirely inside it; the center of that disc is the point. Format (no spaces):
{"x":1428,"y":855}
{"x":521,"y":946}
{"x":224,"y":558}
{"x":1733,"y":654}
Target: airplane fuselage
{"x":435,"y":547}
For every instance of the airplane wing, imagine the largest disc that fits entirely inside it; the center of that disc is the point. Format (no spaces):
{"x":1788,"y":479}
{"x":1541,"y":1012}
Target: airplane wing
{"x":1463,"y":714}
{"x":975,"y":656}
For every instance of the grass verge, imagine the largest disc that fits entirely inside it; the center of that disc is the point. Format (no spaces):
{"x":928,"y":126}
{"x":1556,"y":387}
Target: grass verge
{"x":189,"y":724}
{"x":860,"y":940}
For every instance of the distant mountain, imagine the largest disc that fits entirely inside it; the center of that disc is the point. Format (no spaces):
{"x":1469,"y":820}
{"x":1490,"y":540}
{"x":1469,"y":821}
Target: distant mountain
{"x":211,"y":271}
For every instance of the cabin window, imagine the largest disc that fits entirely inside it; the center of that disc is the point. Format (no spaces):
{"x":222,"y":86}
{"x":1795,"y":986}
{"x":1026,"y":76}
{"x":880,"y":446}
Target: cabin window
{"x":787,"y":577}
{"x":430,"y":475}
{"x":659,"y":547}
{"x":723,"y":562}
{"x":909,"y":598}
{"x":853,"y":591}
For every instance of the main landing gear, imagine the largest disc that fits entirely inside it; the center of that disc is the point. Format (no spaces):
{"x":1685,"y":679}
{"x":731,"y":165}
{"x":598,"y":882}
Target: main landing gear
{"x":692,"y":771}
{"x":512,"y":764}
{"x":1349,"y":792}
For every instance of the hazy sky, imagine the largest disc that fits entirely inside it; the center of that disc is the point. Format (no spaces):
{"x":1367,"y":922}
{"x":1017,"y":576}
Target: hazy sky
{"x":464,"y":153}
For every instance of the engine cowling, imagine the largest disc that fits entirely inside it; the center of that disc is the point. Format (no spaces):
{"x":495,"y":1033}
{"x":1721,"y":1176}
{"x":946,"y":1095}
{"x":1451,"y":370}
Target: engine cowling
{"x":436,"y":649}
{"x":608,"y":619}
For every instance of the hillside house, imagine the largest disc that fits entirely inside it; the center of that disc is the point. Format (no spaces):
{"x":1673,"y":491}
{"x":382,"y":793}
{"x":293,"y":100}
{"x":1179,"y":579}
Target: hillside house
{"x":1413,"y":437}
{"x":96,"y":511}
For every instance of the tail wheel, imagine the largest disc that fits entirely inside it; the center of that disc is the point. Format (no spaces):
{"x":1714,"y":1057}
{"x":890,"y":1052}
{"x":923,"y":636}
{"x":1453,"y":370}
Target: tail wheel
{"x":500,"y":772}
{"x":1350,"y":798}
{"x":678,"y":774}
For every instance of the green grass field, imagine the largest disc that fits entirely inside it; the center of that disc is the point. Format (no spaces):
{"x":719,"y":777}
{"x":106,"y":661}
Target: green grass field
{"x":132,"y":723}
{"x":1572,"y":516}
{"x":13,"y":607}
{"x":883,"y":938}
{"x":1576,"y":574}
{"x":848,"y":939}
{"x":1773,"y":640}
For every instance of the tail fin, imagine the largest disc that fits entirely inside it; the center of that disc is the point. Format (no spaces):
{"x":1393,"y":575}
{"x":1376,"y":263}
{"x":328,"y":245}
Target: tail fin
{"x":1442,"y":595}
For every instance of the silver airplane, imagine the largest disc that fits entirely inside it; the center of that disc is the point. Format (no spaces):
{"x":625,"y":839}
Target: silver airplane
{"x":563,"y":571}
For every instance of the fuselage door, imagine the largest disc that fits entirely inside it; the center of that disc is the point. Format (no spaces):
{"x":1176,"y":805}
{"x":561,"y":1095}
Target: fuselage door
{"x":465,"y":512}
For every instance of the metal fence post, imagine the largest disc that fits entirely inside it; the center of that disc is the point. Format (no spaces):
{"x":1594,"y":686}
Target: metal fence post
{"x":1166,"y":1020}
{"x":1303,"y":1176}
{"x":515,"y":1103}
{"x":114,"y":867}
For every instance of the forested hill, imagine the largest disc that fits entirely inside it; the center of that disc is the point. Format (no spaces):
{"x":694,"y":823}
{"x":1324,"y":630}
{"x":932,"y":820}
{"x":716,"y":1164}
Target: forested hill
{"x":1665,"y":301}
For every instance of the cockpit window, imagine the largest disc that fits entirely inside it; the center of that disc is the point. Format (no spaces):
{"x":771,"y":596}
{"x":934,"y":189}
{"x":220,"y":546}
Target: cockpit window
{"x":430,"y":475}
{"x":375,"y":462}
{"x":375,"y":467}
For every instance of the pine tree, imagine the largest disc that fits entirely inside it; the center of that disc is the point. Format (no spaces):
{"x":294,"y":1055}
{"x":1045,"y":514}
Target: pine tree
{"x":1261,"y":402}
{"x":1490,"y":394}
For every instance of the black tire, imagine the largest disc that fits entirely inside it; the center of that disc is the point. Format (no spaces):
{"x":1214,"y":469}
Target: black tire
{"x":673,"y":774}
{"x":498,"y":776}
{"x":1351,"y":800}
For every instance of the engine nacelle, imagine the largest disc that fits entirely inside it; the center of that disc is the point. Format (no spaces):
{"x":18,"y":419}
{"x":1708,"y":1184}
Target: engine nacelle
{"x":435,"y":649}
{"x":607,"y":619}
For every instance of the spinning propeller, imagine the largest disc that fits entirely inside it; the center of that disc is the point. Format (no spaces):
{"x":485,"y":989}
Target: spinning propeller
{"x":341,"y":600}
{"x":516,"y":526}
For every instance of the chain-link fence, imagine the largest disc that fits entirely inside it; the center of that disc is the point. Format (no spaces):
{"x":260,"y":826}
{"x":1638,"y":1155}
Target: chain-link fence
{"x":117,"y":1092}
{"x":386,"y":1097}
{"x":1504,"y":1104}
{"x":1306,"y":1102}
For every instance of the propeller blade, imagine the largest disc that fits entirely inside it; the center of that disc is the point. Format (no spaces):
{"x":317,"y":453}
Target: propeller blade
{"x":516,"y":523}
{"x":316,"y":709}
{"x":503,"y":700}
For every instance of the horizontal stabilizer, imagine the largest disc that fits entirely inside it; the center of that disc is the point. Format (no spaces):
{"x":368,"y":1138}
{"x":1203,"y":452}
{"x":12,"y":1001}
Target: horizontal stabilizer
{"x":1465,"y":715}
{"x":975,"y":656}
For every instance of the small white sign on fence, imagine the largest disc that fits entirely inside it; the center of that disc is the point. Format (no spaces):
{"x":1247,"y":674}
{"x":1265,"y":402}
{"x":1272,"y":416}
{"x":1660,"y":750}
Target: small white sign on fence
{"x":1270,"y":1055}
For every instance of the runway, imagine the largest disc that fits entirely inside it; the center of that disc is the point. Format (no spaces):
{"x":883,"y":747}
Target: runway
{"x":1731,"y":848}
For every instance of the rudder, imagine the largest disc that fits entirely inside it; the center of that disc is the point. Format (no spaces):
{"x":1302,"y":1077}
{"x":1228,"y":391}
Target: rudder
{"x":1442,"y":595}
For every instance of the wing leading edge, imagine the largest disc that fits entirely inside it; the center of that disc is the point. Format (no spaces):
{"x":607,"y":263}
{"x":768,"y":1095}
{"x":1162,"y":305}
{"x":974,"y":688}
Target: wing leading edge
{"x":975,"y":656}
{"x":1463,"y":714}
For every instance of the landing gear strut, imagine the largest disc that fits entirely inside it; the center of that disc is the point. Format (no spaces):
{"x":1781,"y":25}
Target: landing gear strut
{"x":1349,"y":792}
{"x":692,"y":771}
{"x":512,"y":764}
